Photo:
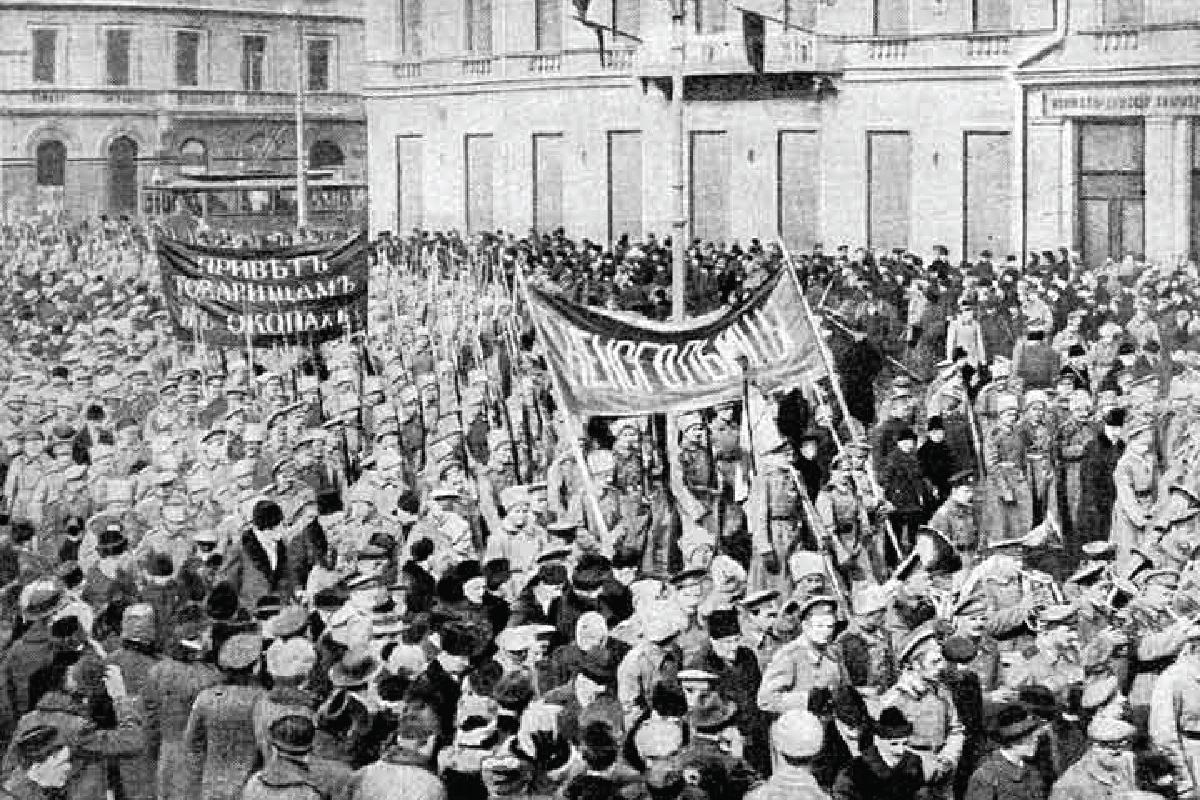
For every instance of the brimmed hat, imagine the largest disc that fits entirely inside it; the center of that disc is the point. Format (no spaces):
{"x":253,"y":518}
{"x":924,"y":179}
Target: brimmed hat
{"x":712,"y":713}
{"x":240,"y":652}
{"x":292,"y":734}
{"x":893,"y":724}
{"x":1013,"y":723}
{"x":356,"y":669}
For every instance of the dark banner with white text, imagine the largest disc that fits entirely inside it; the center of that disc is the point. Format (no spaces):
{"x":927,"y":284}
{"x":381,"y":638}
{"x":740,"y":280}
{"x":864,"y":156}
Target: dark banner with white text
{"x":294,"y":295}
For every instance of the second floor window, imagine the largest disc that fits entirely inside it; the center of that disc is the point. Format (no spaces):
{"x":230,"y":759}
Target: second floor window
{"x":891,"y":17}
{"x":1124,"y":12}
{"x":187,"y":58}
{"x":116,"y":49}
{"x":318,"y":66}
{"x":708,"y":16}
{"x":45,"y":55}
{"x":254,"y":57}
{"x":479,"y":27}
{"x":993,"y":15}
{"x":627,"y":17}
{"x":548,"y":15}
{"x":409,"y":28}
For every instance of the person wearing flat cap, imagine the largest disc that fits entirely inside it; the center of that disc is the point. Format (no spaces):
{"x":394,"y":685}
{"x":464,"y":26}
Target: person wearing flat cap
{"x":1008,"y":498}
{"x":1009,"y":772}
{"x":1106,"y":769}
{"x":1136,"y":483}
{"x":1055,"y":662}
{"x":220,"y":741}
{"x":807,"y":663}
{"x":921,"y":694}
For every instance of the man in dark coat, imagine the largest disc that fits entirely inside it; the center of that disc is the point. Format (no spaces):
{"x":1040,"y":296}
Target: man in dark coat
{"x":31,"y":653}
{"x":257,"y":564}
{"x":859,"y":362}
{"x":887,"y":769}
{"x":1008,"y":773}
{"x":905,"y":488}
{"x":1098,"y":490}
{"x":440,"y":685}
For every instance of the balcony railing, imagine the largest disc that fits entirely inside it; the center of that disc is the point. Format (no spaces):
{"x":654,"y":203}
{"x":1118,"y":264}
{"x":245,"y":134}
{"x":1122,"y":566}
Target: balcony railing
{"x":987,"y":46}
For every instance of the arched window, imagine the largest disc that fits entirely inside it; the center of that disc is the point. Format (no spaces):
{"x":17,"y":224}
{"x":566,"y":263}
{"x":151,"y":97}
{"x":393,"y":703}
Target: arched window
{"x":325,"y":154}
{"x":52,"y":163}
{"x":193,"y":157}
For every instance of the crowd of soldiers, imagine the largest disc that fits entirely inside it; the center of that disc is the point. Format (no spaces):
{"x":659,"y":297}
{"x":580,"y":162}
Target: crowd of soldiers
{"x":958,"y":565}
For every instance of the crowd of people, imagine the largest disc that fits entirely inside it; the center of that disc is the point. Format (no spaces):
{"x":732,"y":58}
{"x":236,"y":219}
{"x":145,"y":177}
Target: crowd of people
{"x":960,"y":564}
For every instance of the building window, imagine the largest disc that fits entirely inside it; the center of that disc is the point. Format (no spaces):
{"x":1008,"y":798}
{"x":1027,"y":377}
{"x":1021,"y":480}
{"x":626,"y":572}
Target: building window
{"x":797,"y":186}
{"x":254,"y":62}
{"x":710,"y":185}
{"x":708,"y":16}
{"x":116,"y":56}
{"x":624,"y":184}
{"x":547,"y":182}
{"x":1195,"y":192}
{"x":187,"y":58}
{"x":548,"y":24}
{"x":319,"y":65}
{"x":52,"y":163}
{"x":993,"y":15}
{"x":193,"y":157}
{"x":325,"y":154}
{"x":1124,"y":12}
{"x":1112,"y":190}
{"x":800,"y":14}
{"x":45,"y":55}
{"x":889,"y":182}
{"x":891,"y":17}
{"x":409,"y":28}
{"x":627,"y":18}
{"x":479,"y":27}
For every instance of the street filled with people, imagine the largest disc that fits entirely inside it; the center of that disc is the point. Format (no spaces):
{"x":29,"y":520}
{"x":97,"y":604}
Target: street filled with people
{"x":959,"y":563}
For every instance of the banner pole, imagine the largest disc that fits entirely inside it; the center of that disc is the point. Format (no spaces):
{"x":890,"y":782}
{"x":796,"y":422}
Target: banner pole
{"x":589,"y":486}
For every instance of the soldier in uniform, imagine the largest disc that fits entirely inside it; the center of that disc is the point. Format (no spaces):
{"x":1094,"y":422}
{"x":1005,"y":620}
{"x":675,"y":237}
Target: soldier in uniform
{"x":219,"y":737}
{"x":1055,"y":664}
{"x":1174,"y":722}
{"x":1009,"y":773}
{"x":938,"y":735}
{"x":775,"y":519}
{"x":1136,"y":481}
{"x":796,"y":739}
{"x":957,"y":518}
{"x":851,"y":526}
{"x":807,"y":663}
{"x":25,"y":472}
{"x":1040,"y":435}
{"x":1008,"y":502}
{"x":865,"y":647}
{"x":1106,"y":769}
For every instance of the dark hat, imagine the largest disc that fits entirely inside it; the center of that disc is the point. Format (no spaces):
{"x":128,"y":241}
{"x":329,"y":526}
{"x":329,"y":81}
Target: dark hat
{"x":267,"y":606}
{"x":906,"y":433}
{"x":712,"y":713}
{"x":552,"y":574}
{"x":513,"y":692}
{"x":935,"y":423}
{"x":1126,"y":349}
{"x":893,"y":724}
{"x":222,"y":603}
{"x":959,"y":650}
{"x":292,"y":734}
{"x":849,"y":707}
{"x":111,"y":542}
{"x":329,"y":502}
{"x":598,"y":666}
{"x":335,"y":714}
{"x":66,"y":627}
{"x":1013,"y":723}
{"x":964,"y":477}
{"x":267,"y":515}
{"x":496,"y":572}
{"x":70,"y":573}
{"x":160,"y":566}
{"x":1038,"y":700}
{"x":468,"y":570}
{"x":723,"y":623}
{"x":1152,"y":346}
{"x":422,"y":549}
{"x":356,"y":669}
{"x":35,"y":744}
{"x":1076,"y":350}
{"x":563,"y":529}
{"x":591,"y":572}
{"x":1115,"y":417}
{"x":462,"y":639}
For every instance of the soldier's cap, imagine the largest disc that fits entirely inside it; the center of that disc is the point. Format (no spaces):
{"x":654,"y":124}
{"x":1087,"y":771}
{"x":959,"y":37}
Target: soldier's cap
{"x":712,"y":713}
{"x":759,"y":598}
{"x":870,"y":600}
{"x":689,"y":576}
{"x":917,"y":642}
{"x":797,"y":734}
{"x":1110,"y":730}
{"x":38,"y":742}
{"x":1099,"y":550}
{"x":814,"y":603}
{"x":1088,"y":573}
{"x":1060,"y":614}
{"x":1007,"y":402}
{"x":1099,"y":691}
{"x":75,"y":472}
{"x":553,"y":554}
{"x":512,"y":496}
{"x":213,"y":433}
{"x":563,"y":528}
{"x":805,"y":563}
{"x":240,"y":652}
{"x":292,"y":733}
{"x":291,"y":657}
{"x":1160,"y":577}
{"x":40,"y":599}
{"x":960,"y":650}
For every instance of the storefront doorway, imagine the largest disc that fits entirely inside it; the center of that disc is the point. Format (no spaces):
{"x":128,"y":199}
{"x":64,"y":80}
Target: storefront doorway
{"x":1111,"y":190}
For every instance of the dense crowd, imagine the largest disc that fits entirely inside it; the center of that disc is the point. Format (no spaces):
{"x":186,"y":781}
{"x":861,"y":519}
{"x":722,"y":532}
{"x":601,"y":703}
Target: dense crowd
{"x":391,"y":566}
